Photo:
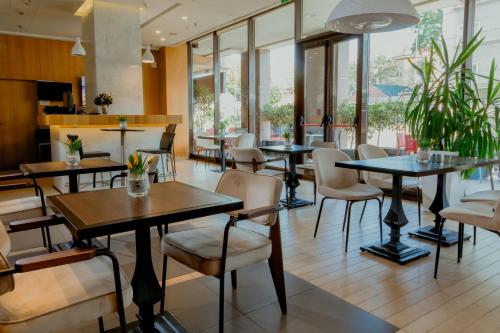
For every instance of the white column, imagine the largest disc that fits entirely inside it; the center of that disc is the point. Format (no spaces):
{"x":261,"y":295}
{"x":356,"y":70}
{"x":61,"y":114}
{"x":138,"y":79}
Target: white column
{"x":112,"y":40}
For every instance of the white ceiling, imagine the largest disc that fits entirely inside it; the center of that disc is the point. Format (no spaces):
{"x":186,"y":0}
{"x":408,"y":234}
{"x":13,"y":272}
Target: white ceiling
{"x":55,"y":18}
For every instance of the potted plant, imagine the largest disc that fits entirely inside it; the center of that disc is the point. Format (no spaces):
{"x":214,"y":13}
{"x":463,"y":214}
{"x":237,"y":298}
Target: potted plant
{"x":137,"y":179}
{"x":123,"y":122}
{"x":73,"y":152}
{"x":222,"y":127}
{"x":448,"y":112}
{"x":103,"y":100}
{"x":287,"y":135}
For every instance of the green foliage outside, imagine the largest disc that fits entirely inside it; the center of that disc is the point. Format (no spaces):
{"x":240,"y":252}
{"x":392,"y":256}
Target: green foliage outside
{"x":280,"y":115}
{"x":204,"y":109}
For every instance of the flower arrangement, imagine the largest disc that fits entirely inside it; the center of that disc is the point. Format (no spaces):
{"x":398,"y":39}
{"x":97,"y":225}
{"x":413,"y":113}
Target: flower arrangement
{"x":136,"y":164}
{"x":122,"y":119}
{"x":286,"y":135}
{"x":103,"y":99}
{"x":73,"y":145}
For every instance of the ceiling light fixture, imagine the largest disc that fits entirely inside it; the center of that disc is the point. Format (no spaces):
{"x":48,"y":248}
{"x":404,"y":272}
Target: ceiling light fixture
{"x":157,"y":32}
{"x":77,"y":50}
{"x":184,"y":18}
{"x":368,"y":16}
{"x":148,"y":57}
{"x":162,"y":39}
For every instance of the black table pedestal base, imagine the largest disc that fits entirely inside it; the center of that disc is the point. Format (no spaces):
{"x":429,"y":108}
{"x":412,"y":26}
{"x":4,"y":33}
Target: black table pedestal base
{"x":295,"y":202}
{"x":164,"y":323}
{"x":399,"y":253}
{"x":431,"y":234}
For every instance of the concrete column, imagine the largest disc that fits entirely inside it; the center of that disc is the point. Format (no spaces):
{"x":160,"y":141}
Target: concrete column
{"x":112,"y":40}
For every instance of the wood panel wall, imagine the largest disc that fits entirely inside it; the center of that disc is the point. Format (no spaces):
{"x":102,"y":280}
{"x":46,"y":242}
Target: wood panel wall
{"x":152,"y":77}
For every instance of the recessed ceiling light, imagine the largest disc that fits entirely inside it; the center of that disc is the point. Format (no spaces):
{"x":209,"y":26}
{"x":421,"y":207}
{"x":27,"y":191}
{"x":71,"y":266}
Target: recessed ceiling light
{"x":184,"y":18}
{"x":162,"y":39}
{"x":157,"y":32}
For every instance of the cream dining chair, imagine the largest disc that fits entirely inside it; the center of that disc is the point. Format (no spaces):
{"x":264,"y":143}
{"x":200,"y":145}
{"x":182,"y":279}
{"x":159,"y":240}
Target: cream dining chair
{"x":246,"y":140}
{"x":341,"y":184}
{"x":215,"y":250}
{"x":382,"y":180}
{"x":59,"y":291}
{"x":485,"y":215}
{"x":309,"y":165}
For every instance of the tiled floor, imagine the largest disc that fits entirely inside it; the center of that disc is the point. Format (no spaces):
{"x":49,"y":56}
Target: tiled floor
{"x":321,"y":279}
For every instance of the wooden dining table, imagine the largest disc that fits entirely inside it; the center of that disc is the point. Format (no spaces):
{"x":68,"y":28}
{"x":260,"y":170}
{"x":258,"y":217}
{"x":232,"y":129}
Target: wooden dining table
{"x":99,"y":213}
{"x":399,"y":167}
{"x":60,"y":168}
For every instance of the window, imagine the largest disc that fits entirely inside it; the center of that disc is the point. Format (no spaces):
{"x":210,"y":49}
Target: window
{"x":203,"y":87}
{"x":274,"y":41}
{"x":234,"y":79}
{"x":392,"y":78}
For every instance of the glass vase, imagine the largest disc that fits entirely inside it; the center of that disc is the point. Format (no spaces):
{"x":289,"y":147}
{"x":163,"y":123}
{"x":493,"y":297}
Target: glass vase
{"x":123,"y":124}
{"x":73,"y":158}
{"x":138,"y":184}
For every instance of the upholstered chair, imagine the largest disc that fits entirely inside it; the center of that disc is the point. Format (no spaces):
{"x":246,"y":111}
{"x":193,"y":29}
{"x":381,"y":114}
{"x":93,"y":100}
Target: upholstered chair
{"x":485,"y":215}
{"x":215,"y":250}
{"x":382,"y":180}
{"x":207,"y":147}
{"x":166,"y":149}
{"x":59,"y":291}
{"x":488,"y":196}
{"x":341,"y":184}
{"x":246,"y":140}
{"x":309,"y":166}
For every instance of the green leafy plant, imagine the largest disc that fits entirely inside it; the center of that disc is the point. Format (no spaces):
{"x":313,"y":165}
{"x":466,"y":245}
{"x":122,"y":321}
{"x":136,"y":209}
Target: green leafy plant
{"x":447,"y":109}
{"x":122,"y":118}
{"x":286,"y":135}
{"x":103,"y":99}
{"x":73,"y":145}
{"x":136,"y":164}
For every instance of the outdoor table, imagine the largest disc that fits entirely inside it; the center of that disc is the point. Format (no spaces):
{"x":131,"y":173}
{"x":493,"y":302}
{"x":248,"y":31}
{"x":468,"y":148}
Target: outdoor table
{"x":100,"y":213}
{"x":221,"y":138}
{"x":60,"y":168}
{"x":293,"y":179}
{"x":399,"y":167}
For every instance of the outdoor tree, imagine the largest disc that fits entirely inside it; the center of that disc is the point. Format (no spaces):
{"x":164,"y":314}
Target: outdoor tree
{"x":384,"y":70}
{"x":430,"y":27}
{"x":203,"y":108}
{"x":279,"y":114}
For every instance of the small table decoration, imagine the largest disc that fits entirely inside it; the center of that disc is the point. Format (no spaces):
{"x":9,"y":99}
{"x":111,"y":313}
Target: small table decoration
{"x":123,"y":122}
{"x":138,"y":179}
{"x":73,"y":152}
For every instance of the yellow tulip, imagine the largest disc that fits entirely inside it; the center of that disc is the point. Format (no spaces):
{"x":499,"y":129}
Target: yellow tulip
{"x":129,"y":166}
{"x":136,"y":159}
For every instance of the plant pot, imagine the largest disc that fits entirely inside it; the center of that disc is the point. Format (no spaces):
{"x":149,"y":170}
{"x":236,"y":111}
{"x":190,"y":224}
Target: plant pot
{"x":123,"y":124}
{"x":104,"y":109}
{"x":73,"y":158}
{"x":138,"y":184}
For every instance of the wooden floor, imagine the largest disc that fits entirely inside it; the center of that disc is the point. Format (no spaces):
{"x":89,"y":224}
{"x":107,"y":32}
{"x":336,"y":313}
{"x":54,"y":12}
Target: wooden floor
{"x":464,"y":298}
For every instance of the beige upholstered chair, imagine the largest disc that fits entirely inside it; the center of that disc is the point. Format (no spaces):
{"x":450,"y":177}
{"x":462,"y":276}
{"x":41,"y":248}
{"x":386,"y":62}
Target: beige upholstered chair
{"x":309,"y":166}
{"x":489,"y":196}
{"x":216,"y":250}
{"x":341,"y":184}
{"x":382,"y":180}
{"x":207,"y":147}
{"x":59,"y":291}
{"x":246,"y":140}
{"x":485,"y":215}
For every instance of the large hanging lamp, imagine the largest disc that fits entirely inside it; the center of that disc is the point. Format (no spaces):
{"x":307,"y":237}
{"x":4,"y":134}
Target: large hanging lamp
{"x":369,"y":16}
{"x":148,"y":57}
{"x":77,"y":50}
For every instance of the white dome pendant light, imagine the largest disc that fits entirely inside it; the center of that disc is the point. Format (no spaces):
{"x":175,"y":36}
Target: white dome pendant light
{"x":148,"y":57}
{"x":77,"y":50}
{"x":369,"y":16}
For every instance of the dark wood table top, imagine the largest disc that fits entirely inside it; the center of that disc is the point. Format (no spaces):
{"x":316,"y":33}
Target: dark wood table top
{"x":294,"y":149}
{"x":60,"y":168}
{"x":409,"y":166}
{"x":98,"y":213}
{"x":122,"y":130}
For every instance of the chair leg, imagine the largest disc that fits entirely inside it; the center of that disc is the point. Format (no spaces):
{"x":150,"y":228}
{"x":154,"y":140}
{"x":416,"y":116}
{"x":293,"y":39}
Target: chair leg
{"x":172,"y":162}
{"x":438,"y":250}
{"x":345,"y":215}
{"x":94,"y":180}
{"x":221,"y":303}
{"x":49,"y":240}
{"x":348,"y":224}
{"x":163,"y":283}
{"x":319,"y":216}
{"x":44,"y":239}
{"x":109,"y":242}
{"x":234,"y":279}
{"x":163,"y":168}
{"x":475,"y":232}
{"x":419,"y":199}
{"x":276,"y":266}
{"x":101,"y":325}
{"x":383,"y":198}
{"x":314,"y":186}
{"x":363,"y":212}
{"x":160,"y":231}
{"x":380,"y":219}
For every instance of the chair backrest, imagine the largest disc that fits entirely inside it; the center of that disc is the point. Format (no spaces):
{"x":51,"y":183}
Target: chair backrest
{"x":153,"y":167}
{"x":246,"y":140}
{"x":322,"y":144}
{"x":73,"y":137}
{"x":410,"y":145}
{"x":6,"y":282}
{"x":171,"y":128}
{"x":367,"y":152}
{"x":167,"y":141}
{"x":256,"y":191}
{"x":248,"y":159}
{"x":496,"y":216}
{"x":327,"y":174}
{"x":400,"y":142}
